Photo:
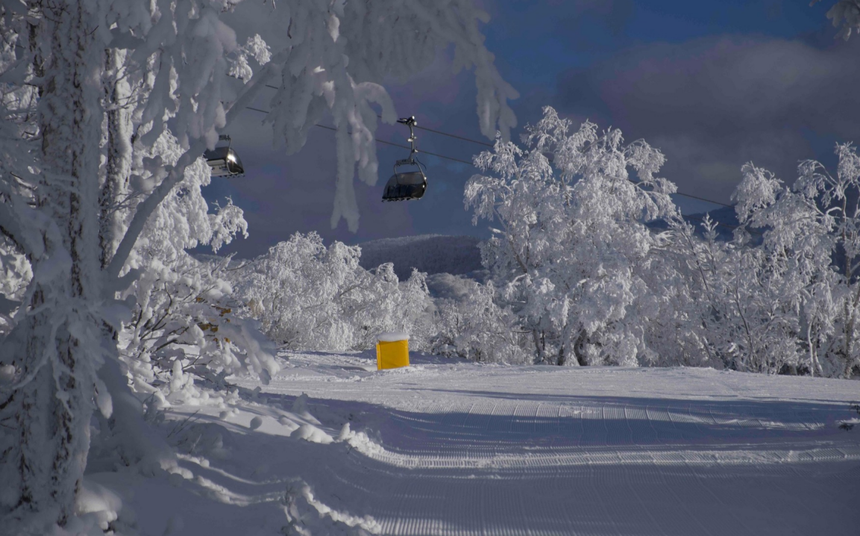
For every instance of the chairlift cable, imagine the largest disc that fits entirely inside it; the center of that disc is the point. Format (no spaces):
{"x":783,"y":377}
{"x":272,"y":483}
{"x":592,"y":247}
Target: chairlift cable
{"x":382,"y":141}
{"x":470,"y":163}
{"x":407,"y":147}
{"x":704,"y":199}
{"x":485,"y":144}
{"x":455,"y":136}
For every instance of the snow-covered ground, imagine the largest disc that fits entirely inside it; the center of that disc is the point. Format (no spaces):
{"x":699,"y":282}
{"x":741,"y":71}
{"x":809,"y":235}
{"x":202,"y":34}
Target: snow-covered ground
{"x":449,"y":447}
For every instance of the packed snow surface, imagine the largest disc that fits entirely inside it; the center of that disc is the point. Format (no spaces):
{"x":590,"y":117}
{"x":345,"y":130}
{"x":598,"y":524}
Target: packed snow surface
{"x":449,"y":447}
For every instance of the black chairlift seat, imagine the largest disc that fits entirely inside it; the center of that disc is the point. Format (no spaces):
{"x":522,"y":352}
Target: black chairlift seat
{"x":223,"y":161}
{"x":406,"y":185}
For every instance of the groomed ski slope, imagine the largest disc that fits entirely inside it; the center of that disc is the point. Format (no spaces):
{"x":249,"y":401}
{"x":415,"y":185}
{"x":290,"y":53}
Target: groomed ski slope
{"x":456,"y":448}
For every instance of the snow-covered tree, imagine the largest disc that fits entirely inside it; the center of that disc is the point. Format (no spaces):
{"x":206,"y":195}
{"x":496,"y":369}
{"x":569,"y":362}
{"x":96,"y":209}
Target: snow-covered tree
{"x":807,"y":265}
{"x":312,"y":297}
{"x":477,"y":328}
{"x":89,"y":89}
{"x":738,"y":307}
{"x":573,"y":255}
{"x":175,"y":299}
{"x":782,"y":295}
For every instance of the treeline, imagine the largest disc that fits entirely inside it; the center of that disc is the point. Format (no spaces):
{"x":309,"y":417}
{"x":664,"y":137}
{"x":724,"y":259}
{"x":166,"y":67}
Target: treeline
{"x":582,"y":273}
{"x":593,"y":264}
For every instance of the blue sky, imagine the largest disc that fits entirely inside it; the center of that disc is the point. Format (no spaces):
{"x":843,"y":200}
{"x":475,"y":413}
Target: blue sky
{"x":711,"y":84}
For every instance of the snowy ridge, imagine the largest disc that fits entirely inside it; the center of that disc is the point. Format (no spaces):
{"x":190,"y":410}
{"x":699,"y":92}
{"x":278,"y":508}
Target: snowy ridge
{"x":432,"y":254}
{"x":460,"y":255}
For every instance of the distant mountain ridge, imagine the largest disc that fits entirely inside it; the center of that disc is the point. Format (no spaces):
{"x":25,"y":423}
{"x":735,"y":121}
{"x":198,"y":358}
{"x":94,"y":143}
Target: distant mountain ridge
{"x":725,"y":217}
{"x":433,"y":254}
{"x":460,"y":255}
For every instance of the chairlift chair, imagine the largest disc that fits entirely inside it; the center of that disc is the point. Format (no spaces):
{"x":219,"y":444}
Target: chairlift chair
{"x":407,"y":184}
{"x":223,"y":161}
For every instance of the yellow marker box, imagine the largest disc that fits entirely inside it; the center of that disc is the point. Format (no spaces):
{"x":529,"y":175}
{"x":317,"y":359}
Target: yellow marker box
{"x":392,"y":351}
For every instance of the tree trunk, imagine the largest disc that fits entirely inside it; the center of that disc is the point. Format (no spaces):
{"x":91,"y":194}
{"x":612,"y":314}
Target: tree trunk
{"x":539,"y":357}
{"x":58,"y":345}
{"x":118,"y":165}
{"x":577,"y":350}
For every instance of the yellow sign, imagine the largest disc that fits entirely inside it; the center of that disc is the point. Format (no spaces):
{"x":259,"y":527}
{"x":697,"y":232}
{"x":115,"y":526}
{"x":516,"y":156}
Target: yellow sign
{"x":392,"y":354}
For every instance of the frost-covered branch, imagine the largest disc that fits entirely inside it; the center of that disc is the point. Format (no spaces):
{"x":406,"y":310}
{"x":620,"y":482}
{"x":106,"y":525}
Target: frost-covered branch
{"x":845,"y":13}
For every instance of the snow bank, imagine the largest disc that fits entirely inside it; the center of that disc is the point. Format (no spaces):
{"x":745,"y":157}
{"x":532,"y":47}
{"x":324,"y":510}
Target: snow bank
{"x":311,"y":433}
{"x":97,"y":505}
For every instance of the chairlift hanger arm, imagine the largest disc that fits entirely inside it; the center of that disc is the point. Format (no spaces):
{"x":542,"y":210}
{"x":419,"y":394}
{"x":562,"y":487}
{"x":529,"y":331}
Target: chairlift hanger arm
{"x":410,"y":122}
